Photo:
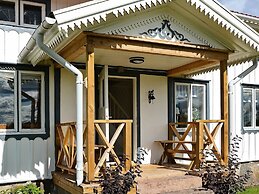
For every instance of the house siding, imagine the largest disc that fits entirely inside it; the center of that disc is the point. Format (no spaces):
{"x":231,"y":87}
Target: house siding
{"x":59,"y":4}
{"x":12,"y":40}
{"x":25,"y":159}
{"x":249,"y":147}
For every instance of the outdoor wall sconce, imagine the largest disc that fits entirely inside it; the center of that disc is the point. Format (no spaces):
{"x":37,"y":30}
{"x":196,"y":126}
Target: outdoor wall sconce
{"x":151,"y":96}
{"x":136,"y":60}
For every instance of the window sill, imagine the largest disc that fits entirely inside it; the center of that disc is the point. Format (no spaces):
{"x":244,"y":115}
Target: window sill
{"x":250,"y":129}
{"x":31,"y":135}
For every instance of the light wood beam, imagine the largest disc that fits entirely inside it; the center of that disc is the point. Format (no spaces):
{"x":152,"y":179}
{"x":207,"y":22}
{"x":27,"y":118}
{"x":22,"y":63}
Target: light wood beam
{"x":224,"y":109}
{"x":74,"y":49}
{"x":192,"y":68}
{"x":155,"y":47}
{"x":90,"y":113}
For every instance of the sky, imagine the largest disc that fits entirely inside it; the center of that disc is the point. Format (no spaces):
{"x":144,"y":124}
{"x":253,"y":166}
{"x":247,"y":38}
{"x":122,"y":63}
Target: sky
{"x":244,"y":6}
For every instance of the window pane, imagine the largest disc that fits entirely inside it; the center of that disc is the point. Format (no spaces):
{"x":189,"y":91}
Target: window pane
{"x":257,"y":107}
{"x":181,"y":103}
{"x":7,"y":100}
{"x":247,"y":107}
{"x":7,"y":11}
{"x":32,"y":14}
{"x":31,"y":101}
{"x":198,"y":105}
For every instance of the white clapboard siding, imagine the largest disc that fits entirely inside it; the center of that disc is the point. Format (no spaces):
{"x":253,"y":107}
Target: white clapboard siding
{"x":12,"y":41}
{"x":249,"y":148}
{"x":25,"y":160}
{"x":2,"y":45}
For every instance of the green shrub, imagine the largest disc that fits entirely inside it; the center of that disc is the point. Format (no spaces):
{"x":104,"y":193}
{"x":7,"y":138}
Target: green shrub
{"x":29,"y":188}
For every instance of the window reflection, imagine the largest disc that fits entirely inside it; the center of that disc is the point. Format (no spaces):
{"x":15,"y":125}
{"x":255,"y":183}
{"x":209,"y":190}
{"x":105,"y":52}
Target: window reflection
{"x":247,"y":107}
{"x":257,"y":108}
{"x":7,"y":11}
{"x":32,"y":14}
{"x":30,"y":101}
{"x":198,"y":102}
{"x":7,"y":100}
{"x":181,"y":102}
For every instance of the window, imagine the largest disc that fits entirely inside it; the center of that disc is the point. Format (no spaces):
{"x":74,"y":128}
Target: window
{"x":29,"y":14}
{"x":189,"y":102}
{"x":22,"y":102}
{"x":32,"y":13}
{"x":188,"y":99}
{"x":250,"y":107}
{"x":8,"y":11}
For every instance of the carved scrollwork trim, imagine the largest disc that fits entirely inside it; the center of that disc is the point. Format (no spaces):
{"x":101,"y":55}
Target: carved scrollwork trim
{"x":165,"y":32}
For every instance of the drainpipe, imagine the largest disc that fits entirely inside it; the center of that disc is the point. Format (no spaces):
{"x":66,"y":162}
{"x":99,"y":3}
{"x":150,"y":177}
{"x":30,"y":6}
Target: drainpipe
{"x":231,"y":85}
{"x":37,"y":38}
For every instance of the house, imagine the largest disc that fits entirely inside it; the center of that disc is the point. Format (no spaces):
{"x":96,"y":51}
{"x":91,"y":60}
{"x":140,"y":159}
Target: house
{"x":124,"y":67}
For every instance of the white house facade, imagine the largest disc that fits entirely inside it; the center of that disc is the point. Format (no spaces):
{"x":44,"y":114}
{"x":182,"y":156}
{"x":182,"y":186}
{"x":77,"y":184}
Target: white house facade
{"x":36,"y":93}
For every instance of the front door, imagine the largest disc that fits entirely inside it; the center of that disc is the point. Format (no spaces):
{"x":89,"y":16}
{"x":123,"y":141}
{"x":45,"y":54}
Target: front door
{"x":117,"y":101}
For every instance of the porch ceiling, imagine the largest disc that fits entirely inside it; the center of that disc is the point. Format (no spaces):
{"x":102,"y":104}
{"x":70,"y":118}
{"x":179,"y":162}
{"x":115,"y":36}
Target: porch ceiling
{"x":179,"y":59}
{"x":151,"y":61}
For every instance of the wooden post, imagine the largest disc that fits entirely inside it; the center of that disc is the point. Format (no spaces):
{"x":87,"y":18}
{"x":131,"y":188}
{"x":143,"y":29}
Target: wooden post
{"x":224,"y":109}
{"x":127,"y":143}
{"x":90,"y":114}
{"x":199,"y":144}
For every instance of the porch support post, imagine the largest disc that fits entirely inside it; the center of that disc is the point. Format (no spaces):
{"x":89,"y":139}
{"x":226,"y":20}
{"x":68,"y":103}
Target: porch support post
{"x":224,"y":109}
{"x":127,"y":142}
{"x":90,"y":113}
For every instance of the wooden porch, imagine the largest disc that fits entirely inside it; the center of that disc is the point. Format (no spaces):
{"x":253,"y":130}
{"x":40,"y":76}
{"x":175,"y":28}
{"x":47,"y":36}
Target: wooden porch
{"x":96,"y":153}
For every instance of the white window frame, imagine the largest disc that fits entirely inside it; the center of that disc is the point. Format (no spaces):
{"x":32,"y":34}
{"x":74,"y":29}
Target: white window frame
{"x":190,"y":87}
{"x":16,"y":13}
{"x":43,"y":12}
{"x":253,"y":126}
{"x":7,"y":131}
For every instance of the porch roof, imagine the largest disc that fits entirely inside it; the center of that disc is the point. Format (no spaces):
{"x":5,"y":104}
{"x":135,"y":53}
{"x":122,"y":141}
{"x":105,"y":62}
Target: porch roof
{"x":234,"y":34}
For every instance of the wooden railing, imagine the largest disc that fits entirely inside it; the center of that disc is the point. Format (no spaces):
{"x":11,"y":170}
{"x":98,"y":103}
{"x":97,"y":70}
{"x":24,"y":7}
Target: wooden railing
{"x":66,"y":144}
{"x":190,"y":139}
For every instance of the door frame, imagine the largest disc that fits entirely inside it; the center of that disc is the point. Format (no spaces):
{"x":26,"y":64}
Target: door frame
{"x":135,"y":112}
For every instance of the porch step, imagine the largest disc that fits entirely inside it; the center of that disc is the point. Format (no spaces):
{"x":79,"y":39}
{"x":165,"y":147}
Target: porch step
{"x":168,"y":179}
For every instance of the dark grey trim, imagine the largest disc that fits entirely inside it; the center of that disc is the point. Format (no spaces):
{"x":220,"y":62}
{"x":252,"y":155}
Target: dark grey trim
{"x":171,"y":95}
{"x":251,"y":129}
{"x":38,"y":68}
{"x":126,"y":70}
{"x":57,"y":78}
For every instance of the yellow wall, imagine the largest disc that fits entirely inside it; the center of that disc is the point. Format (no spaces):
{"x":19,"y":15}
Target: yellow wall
{"x":59,"y":4}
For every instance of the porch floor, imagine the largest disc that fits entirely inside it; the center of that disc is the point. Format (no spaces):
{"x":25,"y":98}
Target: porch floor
{"x":168,"y":179}
{"x":156,"y":179}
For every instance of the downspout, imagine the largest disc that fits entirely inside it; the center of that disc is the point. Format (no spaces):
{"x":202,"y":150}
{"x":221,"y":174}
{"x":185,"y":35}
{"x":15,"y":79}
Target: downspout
{"x":37,"y":38}
{"x":231,"y":85}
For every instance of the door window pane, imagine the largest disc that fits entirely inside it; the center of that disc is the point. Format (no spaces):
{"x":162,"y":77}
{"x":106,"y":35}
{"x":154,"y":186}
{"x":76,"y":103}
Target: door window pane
{"x":257,"y":107}
{"x":31,"y":101}
{"x":32,"y":14}
{"x":247,"y":107}
{"x":182,"y":103}
{"x":198,"y":105}
{"x":7,"y":100}
{"x":7,"y":11}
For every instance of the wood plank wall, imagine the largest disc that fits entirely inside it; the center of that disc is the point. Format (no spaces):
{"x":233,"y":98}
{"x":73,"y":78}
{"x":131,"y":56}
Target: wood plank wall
{"x":59,"y":4}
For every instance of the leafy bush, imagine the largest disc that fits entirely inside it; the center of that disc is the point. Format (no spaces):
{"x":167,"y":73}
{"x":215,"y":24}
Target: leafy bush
{"x":115,"y":181}
{"x":29,"y":188}
{"x":224,"y":179}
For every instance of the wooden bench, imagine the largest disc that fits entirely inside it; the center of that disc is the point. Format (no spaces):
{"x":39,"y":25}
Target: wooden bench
{"x":171,"y":148}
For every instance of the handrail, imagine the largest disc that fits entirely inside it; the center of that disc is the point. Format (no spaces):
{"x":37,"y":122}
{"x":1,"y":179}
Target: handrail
{"x":203,"y":134}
